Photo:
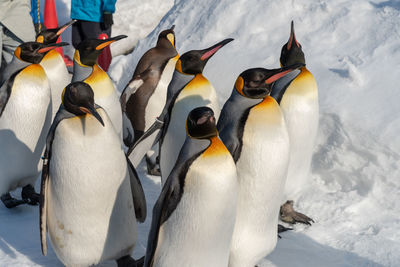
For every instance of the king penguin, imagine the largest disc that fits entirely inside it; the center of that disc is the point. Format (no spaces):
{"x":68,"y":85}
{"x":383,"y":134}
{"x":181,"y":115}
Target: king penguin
{"x":86,"y":69}
{"x":299,"y":104}
{"x":25,"y":118}
{"x":253,"y":129}
{"x":187,"y":90}
{"x":54,"y":65}
{"x":91,"y":194}
{"x":194,"y":217}
{"x":145,"y":95}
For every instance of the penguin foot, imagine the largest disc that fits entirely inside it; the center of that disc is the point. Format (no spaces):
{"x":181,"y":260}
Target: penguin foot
{"x":152,"y":167}
{"x":29,"y":195}
{"x":282,"y":229}
{"x":11,"y":202}
{"x":128,"y":261}
{"x":289,"y":215}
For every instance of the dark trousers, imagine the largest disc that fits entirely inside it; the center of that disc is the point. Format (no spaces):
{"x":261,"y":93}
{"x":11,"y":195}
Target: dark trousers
{"x":82,"y":30}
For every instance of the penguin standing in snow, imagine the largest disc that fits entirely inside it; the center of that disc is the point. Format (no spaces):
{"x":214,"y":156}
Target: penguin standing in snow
{"x":299,"y":104}
{"x":194,"y":217}
{"x":54,"y":65}
{"x":145,"y":95}
{"x":25,"y":118}
{"x":91,"y":195}
{"x":253,"y":129}
{"x":187,"y":90}
{"x":86,"y":69}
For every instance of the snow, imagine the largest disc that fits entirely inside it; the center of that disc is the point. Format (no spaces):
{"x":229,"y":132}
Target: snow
{"x":352,"y":47}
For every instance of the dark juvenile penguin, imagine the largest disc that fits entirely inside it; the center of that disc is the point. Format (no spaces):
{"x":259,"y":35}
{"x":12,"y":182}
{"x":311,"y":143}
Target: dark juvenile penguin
{"x":194,"y":217}
{"x":187,"y":90}
{"x":253,"y":129}
{"x":86,"y":69}
{"x":54,"y":65}
{"x":91,"y":196}
{"x":299,"y":104}
{"x":145,"y":95}
{"x":25,"y":118}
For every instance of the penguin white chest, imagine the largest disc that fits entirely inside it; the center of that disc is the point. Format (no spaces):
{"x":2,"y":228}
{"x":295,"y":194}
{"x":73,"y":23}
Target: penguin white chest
{"x":262,"y":168}
{"x":301,"y":110}
{"x":198,"y":92}
{"x":23,"y":128}
{"x":90,"y":215}
{"x":58,"y":76}
{"x":199,"y":231}
{"x":157,"y":100}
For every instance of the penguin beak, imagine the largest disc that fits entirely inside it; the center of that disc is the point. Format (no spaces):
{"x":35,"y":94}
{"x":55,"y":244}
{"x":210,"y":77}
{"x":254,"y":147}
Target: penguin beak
{"x":107,"y":42}
{"x":209,"y":52}
{"x":48,"y":47}
{"x":65,"y":26}
{"x":276,"y":74}
{"x":292,"y":38}
{"x":172,"y":28}
{"x":91,"y":110}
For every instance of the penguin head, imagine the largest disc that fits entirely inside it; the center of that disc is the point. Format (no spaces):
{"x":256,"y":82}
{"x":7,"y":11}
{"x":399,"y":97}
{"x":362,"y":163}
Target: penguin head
{"x":88,"y":50}
{"x":194,"y":61}
{"x":257,"y":83}
{"x":48,"y":36}
{"x":167,"y":37}
{"x":291,"y":52}
{"x":78,"y":98}
{"x":33,"y":52}
{"x":200,"y":123}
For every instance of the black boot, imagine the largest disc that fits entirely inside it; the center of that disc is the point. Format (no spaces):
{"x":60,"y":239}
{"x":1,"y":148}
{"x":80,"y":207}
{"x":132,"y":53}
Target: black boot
{"x":11,"y":202}
{"x":29,"y":195}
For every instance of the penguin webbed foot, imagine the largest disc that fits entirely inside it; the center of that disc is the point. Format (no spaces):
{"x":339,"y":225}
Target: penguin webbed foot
{"x":289,"y":215}
{"x":11,"y":202}
{"x":29,"y":195}
{"x":128,"y":261}
{"x":153,"y":168}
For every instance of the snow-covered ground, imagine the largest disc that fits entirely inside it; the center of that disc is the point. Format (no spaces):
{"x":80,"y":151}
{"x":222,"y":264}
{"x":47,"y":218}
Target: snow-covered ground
{"x":353,"y":49}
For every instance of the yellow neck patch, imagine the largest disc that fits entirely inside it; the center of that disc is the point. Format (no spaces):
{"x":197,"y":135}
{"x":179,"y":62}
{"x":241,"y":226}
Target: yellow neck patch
{"x":40,"y":39}
{"x":216,"y":148}
{"x":178,"y":66}
{"x":197,"y":82}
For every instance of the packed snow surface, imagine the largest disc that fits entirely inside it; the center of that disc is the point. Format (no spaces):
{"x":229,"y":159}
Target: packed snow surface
{"x":353,"y":50}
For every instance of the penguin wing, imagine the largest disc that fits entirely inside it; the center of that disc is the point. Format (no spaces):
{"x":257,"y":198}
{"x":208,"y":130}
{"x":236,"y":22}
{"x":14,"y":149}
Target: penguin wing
{"x":139,"y":199}
{"x":172,"y":191}
{"x":5,"y":91}
{"x":61,"y":114}
{"x":279,"y":87}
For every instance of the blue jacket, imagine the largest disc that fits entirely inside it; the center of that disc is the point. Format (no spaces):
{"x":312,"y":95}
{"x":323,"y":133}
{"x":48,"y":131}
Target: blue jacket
{"x":34,"y":14}
{"x":91,"y":10}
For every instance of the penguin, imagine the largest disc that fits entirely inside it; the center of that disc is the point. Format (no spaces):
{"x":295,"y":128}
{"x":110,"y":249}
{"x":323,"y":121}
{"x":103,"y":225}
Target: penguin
{"x":25,"y":118}
{"x":253,"y":129}
{"x":187,"y":90}
{"x":54,"y":65}
{"x":145,"y":95}
{"x":91,"y":196}
{"x":299,"y":104}
{"x":86,"y":69}
{"x":194,"y":216}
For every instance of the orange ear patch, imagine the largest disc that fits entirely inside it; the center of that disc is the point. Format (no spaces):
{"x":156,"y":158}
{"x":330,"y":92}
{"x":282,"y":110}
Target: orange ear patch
{"x":239,"y":84}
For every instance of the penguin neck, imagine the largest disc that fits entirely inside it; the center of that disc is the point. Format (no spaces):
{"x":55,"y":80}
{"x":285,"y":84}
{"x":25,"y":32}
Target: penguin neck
{"x":15,"y":65}
{"x":178,"y":82}
{"x":81,"y":72}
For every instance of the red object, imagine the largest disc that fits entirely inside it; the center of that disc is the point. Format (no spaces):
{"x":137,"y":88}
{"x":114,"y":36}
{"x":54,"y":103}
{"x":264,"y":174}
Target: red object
{"x":51,"y":22}
{"x":104,"y":60}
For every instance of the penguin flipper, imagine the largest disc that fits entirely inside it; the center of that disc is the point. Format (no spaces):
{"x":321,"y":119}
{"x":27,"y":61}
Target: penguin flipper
{"x":138,"y":196}
{"x":61,"y":114}
{"x":5,"y":91}
{"x":156,"y":126}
